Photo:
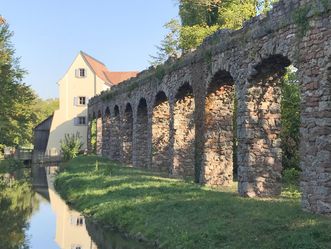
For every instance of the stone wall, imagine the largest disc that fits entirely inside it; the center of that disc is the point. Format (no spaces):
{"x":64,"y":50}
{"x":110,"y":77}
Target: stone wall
{"x":189,"y":132}
{"x":184,"y":133}
{"x":106,"y":138}
{"x":140,"y":139}
{"x":160,"y":134}
{"x":259,"y":133}
{"x":127,"y":135}
{"x":218,"y":146}
{"x":115,"y":135}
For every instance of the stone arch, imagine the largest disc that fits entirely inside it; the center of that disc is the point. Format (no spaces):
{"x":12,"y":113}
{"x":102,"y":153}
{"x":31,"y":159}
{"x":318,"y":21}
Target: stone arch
{"x":161,"y":132}
{"x":116,"y":110}
{"x":106,"y":132}
{"x":127,"y":134}
{"x":259,"y":145}
{"x":115,"y":138}
{"x":141,"y":135}
{"x":184,"y":132}
{"x":99,"y":133}
{"x":218,"y":135}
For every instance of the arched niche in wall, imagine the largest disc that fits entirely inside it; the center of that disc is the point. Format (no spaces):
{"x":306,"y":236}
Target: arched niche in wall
{"x":184,"y":132}
{"x":219,"y":134}
{"x":161,"y":133}
{"x":127,"y":134}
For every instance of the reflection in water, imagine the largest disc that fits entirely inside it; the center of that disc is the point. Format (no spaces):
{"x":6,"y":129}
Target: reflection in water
{"x":70,"y":225}
{"x":17,"y":203}
{"x":42,"y":223}
{"x":39,"y":219}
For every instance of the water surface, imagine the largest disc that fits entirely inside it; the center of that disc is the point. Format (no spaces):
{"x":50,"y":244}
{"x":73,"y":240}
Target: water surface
{"x":37,"y":218}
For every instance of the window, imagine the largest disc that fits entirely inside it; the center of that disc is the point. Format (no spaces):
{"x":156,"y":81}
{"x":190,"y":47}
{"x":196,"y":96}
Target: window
{"x":80,"y":221}
{"x":80,"y":121}
{"x":82,"y":100}
{"x":80,"y":73}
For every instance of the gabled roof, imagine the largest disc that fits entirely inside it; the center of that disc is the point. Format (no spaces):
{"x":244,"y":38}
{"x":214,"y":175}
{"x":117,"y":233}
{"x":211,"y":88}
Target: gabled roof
{"x":110,"y":78}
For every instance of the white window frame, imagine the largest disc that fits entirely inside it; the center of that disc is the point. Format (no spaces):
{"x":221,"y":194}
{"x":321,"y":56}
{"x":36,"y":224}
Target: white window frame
{"x":77,"y":101}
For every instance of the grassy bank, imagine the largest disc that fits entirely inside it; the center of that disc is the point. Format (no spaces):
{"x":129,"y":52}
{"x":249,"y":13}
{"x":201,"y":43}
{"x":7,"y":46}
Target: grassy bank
{"x":179,"y":214}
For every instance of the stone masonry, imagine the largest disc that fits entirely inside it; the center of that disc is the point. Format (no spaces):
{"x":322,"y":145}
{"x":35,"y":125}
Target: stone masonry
{"x":218,"y":147}
{"x":114,"y":135}
{"x":127,"y":135}
{"x":184,"y":132}
{"x":178,"y":117}
{"x":160,"y":134}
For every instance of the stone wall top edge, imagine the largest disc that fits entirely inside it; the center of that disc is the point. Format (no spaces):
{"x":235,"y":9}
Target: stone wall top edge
{"x":222,"y":40}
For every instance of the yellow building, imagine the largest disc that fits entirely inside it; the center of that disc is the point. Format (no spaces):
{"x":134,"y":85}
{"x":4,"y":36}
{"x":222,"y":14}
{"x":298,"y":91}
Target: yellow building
{"x":85,"y":78}
{"x":71,"y":230}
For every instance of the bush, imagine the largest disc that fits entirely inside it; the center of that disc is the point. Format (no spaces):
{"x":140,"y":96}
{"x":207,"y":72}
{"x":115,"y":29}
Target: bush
{"x":71,"y":146}
{"x":94,"y":135}
{"x":291,"y":176}
{"x":10,"y":165}
{"x":290,"y":112}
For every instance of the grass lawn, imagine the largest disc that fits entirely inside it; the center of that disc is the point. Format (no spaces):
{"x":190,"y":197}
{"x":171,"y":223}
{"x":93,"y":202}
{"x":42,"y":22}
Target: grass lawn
{"x":179,"y":214}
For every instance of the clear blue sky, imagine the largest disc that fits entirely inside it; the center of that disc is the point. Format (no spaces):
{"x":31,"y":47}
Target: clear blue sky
{"x":50,"y":33}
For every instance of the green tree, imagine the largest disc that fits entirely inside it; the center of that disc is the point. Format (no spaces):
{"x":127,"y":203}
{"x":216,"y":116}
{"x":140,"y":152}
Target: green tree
{"x":169,"y":45}
{"x":16,"y":98}
{"x":192,"y":36}
{"x":199,"y":19}
{"x":290,"y":113}
{"x":199,"y":12}
{"x":44,"y":108}
{"x":21,"y":109}
{"x":226,"y":14}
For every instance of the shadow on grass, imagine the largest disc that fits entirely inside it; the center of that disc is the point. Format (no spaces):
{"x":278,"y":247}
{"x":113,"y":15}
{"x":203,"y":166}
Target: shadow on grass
{"x":185,"y":215}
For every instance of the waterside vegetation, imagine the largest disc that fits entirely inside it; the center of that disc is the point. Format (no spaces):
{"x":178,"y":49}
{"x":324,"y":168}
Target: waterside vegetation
{"x":17,"y":203}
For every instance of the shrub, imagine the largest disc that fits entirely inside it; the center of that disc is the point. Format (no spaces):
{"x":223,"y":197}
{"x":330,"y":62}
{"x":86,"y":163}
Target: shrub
{"x":94,"y":135}
{"x":71,"y":146}
{"x":291,"y":176}
{"x":290,"y":113}
{"x":10,"y":165}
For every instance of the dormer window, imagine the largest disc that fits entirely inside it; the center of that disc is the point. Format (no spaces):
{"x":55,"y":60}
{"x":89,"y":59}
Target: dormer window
{"x":80,"y":72}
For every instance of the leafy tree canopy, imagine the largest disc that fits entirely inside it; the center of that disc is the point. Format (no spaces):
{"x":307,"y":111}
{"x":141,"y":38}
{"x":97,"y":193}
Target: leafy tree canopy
{"x":201,"y":18}
{"x":21,"y":109}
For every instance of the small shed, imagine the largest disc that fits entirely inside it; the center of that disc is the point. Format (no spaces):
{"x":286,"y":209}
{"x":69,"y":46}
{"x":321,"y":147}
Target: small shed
{"x":41,"y":134}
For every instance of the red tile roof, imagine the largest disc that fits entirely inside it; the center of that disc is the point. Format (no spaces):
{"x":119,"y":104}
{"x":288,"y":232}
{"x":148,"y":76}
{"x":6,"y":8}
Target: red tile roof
{"x":110,"y":78}
{"x":117,"y":77}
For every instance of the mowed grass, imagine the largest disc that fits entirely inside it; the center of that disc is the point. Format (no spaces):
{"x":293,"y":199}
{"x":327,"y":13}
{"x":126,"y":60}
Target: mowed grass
{"x":179,"y":214}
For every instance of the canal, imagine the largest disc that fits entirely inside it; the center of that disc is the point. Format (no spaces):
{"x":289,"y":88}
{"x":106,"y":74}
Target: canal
{"x":37,"y":218}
